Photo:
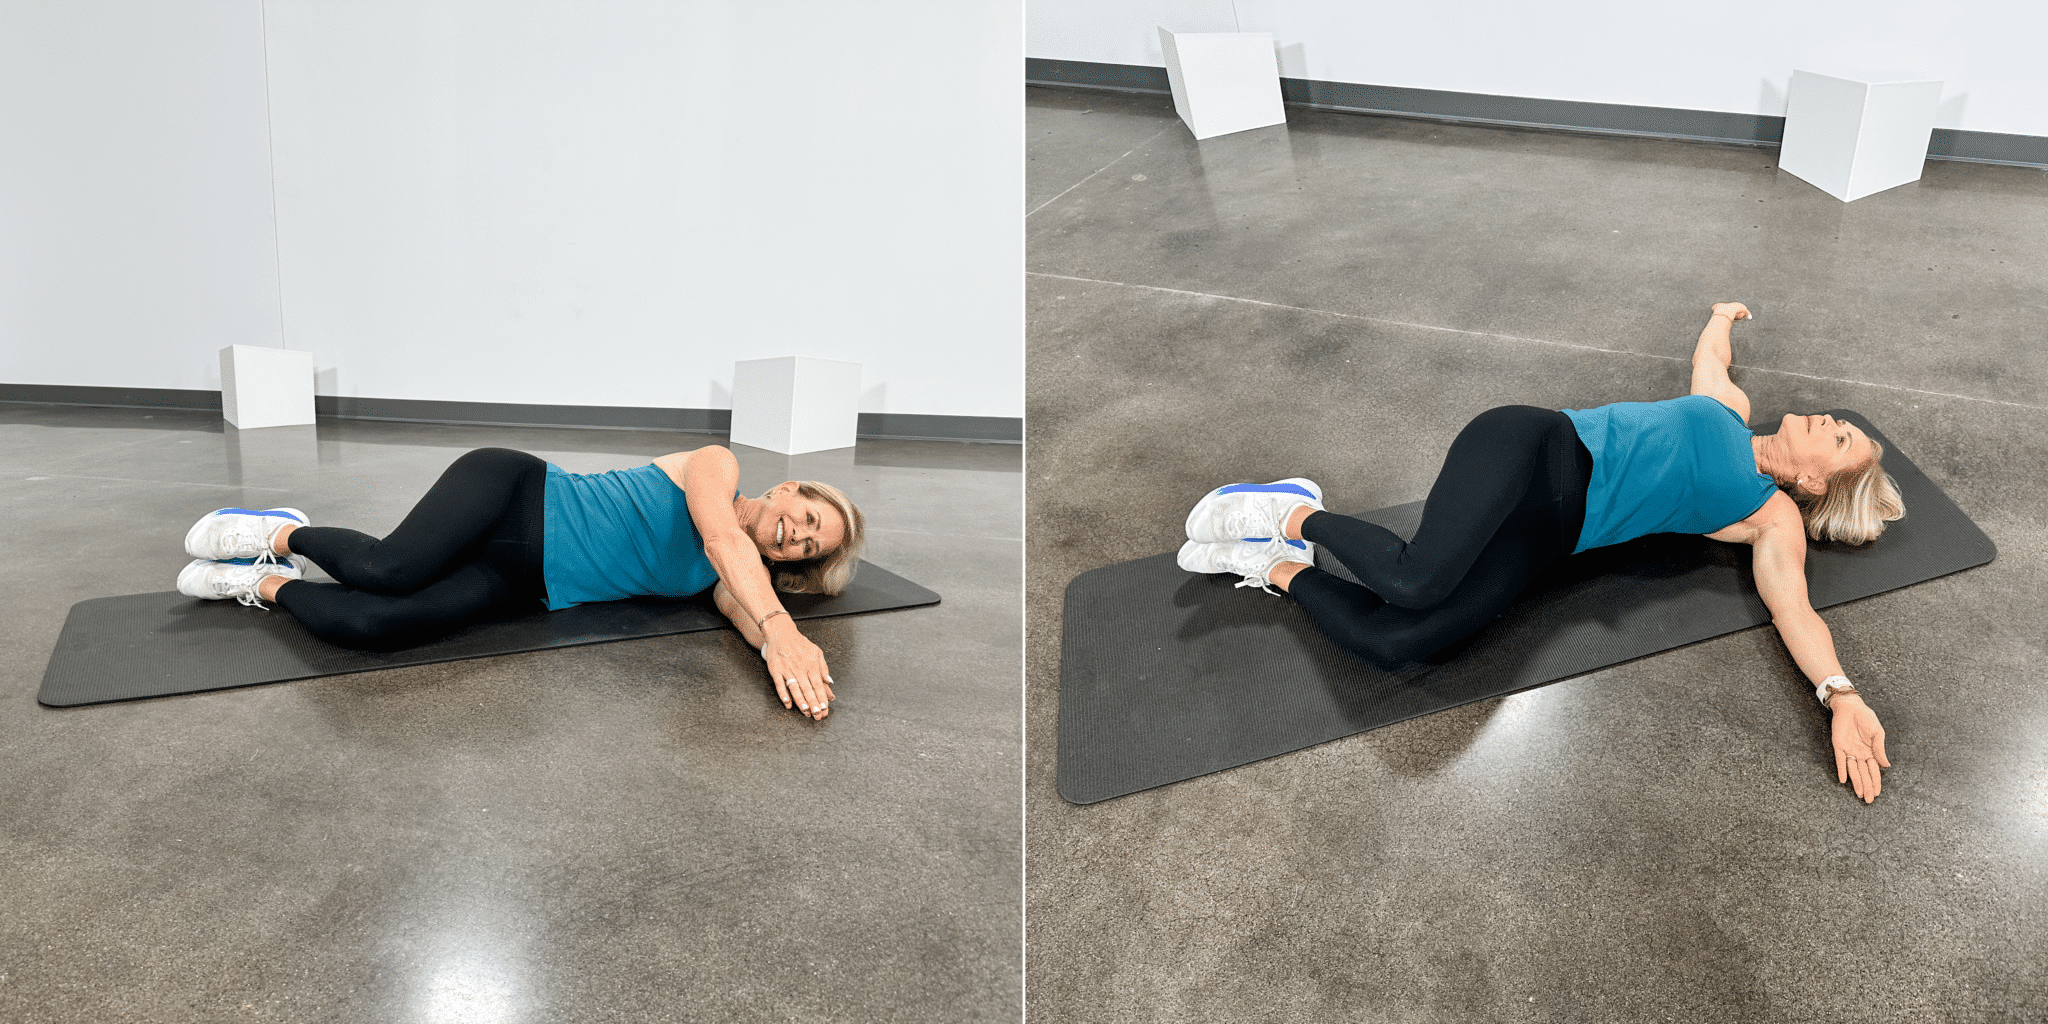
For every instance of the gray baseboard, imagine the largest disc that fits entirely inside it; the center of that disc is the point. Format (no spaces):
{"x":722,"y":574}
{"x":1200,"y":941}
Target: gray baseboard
{"x":115,"y":398}
{"x":878,"y":425}
{"x":1524,"y":112}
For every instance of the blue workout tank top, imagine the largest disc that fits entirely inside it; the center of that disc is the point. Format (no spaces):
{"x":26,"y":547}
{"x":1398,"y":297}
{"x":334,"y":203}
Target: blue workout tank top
{"x":626,"y":533}
{"x":1679,"y":466}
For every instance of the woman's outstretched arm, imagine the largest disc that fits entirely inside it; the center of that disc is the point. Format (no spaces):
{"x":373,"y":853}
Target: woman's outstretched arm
{"x":729,"y":607}
{"x":709,"y":477}
{"x":1778,"y":538}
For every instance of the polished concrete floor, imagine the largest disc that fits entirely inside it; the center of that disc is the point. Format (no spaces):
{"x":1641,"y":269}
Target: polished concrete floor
{"x":1660,"y":840}
{"x":633,"y":831}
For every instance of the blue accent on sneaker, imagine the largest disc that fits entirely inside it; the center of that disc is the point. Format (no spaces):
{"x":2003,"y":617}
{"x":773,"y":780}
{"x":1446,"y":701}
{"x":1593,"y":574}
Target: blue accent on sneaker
{"x":1269,"y":489}
{"x":1302,"y":544}
{"x":258,"y":512}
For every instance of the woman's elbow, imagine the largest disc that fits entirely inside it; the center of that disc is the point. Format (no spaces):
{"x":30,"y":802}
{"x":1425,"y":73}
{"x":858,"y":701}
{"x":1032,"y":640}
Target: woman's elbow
{"x":1798,"y":619}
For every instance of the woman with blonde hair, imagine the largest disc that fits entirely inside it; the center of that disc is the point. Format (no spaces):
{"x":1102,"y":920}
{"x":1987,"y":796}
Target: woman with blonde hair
{"x":1523,"y":487}
{"x":503,"y":533}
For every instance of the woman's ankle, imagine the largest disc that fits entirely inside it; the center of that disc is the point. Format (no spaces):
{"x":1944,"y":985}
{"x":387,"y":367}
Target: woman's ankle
{"x":1282,"y":573}
{"x":1291,"y":527}
{"x":279,"y":541}
{"x":268,"y":586}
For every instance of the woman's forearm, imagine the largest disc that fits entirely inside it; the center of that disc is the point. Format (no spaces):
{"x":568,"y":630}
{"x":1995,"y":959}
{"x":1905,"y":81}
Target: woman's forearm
{"x":1713,"y":347}
{"x":745,"y":579}
{"x":1812,"y":646}
{"x":741,"y":621}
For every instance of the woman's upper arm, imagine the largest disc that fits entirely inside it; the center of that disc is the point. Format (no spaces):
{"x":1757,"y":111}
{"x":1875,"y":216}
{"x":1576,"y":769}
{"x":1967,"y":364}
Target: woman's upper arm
{"x":708,"y":478}
{"x":1780,"y":556}
{"x":1712,"y":381}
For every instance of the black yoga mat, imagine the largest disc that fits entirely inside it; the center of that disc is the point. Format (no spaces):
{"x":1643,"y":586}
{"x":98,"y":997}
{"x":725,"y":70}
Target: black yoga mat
{"x":154,"y":645}
{"x":1166,"y":675}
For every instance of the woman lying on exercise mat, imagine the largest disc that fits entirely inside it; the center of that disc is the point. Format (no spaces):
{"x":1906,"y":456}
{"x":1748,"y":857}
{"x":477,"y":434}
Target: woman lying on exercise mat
{"x":503,"y":533}
{"x":1523,"y":487}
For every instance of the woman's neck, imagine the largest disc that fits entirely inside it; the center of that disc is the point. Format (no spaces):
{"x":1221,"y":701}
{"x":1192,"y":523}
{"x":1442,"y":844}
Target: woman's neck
{"x":747,"y":511}
{"x":1765,"y":446}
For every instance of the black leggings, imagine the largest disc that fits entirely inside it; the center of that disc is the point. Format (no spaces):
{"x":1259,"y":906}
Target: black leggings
{"x":1509,"y":502}
{"x":469,"y":551}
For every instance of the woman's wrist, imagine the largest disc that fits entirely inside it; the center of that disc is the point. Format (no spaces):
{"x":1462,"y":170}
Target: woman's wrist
{"x":1844,"y":700}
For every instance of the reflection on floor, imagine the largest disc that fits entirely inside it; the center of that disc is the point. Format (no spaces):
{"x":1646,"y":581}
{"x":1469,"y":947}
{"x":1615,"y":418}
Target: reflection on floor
{"x":629,"y":831}
{"x":1335,"y":298}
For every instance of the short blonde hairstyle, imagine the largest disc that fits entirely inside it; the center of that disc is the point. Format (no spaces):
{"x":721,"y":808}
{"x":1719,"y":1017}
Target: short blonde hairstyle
{"x":831,"y":572}
{"x":1857,"y":504}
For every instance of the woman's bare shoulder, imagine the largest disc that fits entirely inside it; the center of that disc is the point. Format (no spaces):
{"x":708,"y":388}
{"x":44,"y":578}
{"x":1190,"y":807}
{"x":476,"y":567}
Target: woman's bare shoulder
{"x":1779,"y":512}
{"x":711,"y":457}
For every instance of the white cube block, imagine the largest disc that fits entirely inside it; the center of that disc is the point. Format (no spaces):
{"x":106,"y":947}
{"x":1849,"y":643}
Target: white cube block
{"x":795,"y":404}
{"x":1853,"y":133}
{"x":1223,"y":82}
{"x":266,"y":387}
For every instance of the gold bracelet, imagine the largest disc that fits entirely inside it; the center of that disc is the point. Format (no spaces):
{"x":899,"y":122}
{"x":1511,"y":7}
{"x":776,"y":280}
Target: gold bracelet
{"x":762,"y":622}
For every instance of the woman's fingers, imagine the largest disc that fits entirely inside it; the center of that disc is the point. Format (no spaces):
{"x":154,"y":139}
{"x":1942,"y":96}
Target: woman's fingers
{"x":1861,"y":772}
{"x":812,"y":698}
{"x":802,"y":692}
{"x":801,"y":680}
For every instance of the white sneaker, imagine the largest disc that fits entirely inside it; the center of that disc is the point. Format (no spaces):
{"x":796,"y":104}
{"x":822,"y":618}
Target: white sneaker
{"x":1250,"y":511}
{"x":1252,"y":559}
{"x":210,"y":580}
{"x":238,"y":533}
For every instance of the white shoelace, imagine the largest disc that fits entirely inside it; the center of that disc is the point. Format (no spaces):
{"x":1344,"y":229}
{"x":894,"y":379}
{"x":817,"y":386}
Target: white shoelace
{"x":236,"y":536}
{"x":1256,"y":568}
{"x":226,"y":585}
{"x":1247,"y":522}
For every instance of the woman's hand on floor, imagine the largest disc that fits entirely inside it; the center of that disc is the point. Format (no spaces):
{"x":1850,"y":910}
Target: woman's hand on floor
{"x":798,"y":667}
{"x":1732,"y":310}
{"x":1859,"y":746}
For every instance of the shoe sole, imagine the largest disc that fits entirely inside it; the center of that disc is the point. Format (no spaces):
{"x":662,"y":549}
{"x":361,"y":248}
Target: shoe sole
{"x":192,"y":535}
{"x":295,"y":571}
{"x":1297,"y":485}
{"x":1190,"y":552}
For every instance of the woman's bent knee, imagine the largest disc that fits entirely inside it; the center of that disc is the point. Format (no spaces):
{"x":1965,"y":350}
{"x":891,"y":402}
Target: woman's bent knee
{"x":1379,"y":650}
{"x":1415,"y":596}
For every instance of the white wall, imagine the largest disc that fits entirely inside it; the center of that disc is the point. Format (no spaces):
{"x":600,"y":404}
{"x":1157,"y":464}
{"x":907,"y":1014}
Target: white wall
{"x":1725,"y":55}
{"x":608,"y":204}
{"x":589,"y":203}
{"x":135,"y":220}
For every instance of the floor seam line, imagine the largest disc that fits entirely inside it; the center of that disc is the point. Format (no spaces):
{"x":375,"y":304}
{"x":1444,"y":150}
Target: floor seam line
{"x":1093,"y":173}
{"x":160,"y":483}
{"x":1532,"y":341}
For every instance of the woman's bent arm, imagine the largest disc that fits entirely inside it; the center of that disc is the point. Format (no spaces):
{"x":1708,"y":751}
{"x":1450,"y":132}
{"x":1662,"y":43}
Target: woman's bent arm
{"x":709,"y":477}
{"x":1711,"y":356}
{"x":1779,"y":541}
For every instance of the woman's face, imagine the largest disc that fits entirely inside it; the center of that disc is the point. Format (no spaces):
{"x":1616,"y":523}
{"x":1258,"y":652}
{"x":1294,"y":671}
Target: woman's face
{"x":793,"y":528}
{"x":1822,"y":446}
